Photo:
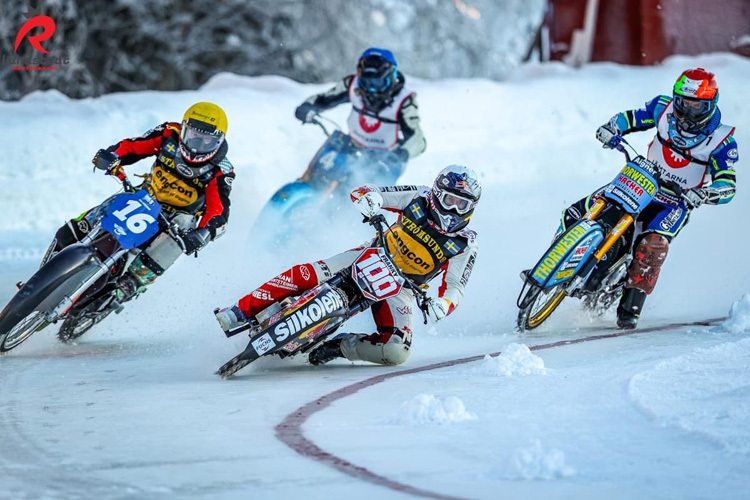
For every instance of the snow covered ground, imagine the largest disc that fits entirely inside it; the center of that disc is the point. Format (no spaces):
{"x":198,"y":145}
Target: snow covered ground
{"x":134,"y":411}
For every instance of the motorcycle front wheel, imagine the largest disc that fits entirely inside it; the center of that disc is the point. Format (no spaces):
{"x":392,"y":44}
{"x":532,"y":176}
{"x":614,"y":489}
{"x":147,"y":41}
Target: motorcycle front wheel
{"x":540,"y":306}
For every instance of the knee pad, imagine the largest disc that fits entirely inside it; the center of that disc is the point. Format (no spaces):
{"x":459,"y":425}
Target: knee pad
{"x":648,"y":257}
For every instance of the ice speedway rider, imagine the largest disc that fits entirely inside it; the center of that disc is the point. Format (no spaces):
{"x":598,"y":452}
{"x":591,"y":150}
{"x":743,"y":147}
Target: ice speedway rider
{"x":191,"y":178}
{"x":384,"y":117}
{"x":429,"y":238}
{"x":693,"y":150}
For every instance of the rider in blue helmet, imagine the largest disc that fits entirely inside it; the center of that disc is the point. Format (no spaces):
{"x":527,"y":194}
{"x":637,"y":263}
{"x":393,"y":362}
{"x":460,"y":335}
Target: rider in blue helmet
{"x":385,"y":117}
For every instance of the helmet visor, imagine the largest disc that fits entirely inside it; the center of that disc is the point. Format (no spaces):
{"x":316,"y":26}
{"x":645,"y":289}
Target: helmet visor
{"x":691,"y":113}
{"x":200,"y":142}
{"x":374,"y":83}
{"x":452,"y":201}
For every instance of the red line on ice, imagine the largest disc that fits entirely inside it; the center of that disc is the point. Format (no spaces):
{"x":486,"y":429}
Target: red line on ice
{"x":289,"y":431}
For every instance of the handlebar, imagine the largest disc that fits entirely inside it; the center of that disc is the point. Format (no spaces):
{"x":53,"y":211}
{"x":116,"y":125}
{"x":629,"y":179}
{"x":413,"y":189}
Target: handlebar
{"x":316,"y":120}
{"x":379,"y":223}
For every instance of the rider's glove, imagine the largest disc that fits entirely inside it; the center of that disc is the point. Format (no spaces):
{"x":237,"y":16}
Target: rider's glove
{"x":195,"y":239}
{"x":305,"y":112}
{"x":694,"y":197}
{"x":437,"y":309}
{"x":609,"y":135}
{"x":369,"y":203}
{"x":106,"y":160}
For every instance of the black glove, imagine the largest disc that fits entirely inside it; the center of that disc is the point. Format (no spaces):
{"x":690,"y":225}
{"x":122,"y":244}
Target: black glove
{"x":305,"y":112}
{"x":106,"y":160}
{"x":195,"y":239}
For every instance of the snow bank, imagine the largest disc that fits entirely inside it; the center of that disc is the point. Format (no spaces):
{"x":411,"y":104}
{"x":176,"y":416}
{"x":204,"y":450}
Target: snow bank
{"x":516,"y":359}
{"x":739,"y":316}
{"x":535,"y":462}
{"x":428,"y":409}
{"x":706,"y":392}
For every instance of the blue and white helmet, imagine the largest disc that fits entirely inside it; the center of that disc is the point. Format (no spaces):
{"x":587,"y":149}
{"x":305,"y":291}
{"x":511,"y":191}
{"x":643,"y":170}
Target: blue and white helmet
{"x":454,"y":196}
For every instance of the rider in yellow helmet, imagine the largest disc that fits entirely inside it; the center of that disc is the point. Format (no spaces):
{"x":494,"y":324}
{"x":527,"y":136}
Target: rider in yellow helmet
{"x":191,"y":177}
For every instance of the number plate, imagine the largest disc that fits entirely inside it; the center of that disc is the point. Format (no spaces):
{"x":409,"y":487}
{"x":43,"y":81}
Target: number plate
{"x":132,"y":218}
{"x":376,"y":275}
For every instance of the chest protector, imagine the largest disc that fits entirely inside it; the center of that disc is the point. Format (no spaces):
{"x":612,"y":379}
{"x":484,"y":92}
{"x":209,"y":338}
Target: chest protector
{"x":175,"y":192}
{"x":419,"y":250}
{"x":689,"y":169}
{"x":371,"y":129}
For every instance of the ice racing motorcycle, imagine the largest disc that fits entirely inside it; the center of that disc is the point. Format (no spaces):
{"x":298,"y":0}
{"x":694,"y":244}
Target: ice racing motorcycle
{"x":590,"y":259}
{"x":338,"y":167}
{"x":299,"y":325}
{"x":79,"y":285}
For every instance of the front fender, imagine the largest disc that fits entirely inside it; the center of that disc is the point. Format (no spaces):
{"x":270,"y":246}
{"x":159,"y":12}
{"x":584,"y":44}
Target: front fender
{"x":568,"y":254}
{"x":62,"y":275}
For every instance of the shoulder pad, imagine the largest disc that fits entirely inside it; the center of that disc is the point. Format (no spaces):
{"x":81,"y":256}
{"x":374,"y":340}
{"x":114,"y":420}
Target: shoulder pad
{"x":471,"y":236}
{"x":174,"y":127}
{"x":396,"y":189}
{"x":226,"y":166}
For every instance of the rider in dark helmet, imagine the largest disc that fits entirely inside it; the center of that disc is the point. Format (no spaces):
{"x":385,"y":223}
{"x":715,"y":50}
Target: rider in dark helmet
{"x":384,"y":117}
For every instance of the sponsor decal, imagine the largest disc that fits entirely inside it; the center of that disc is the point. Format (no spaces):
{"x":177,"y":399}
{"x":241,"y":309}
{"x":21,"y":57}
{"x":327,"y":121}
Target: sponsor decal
{"x":262,"y":294}
{"x":421,"y":235}
{"x":673,"y":159}
{"x":468,"y":269}
{"x":184,"y":170}
{"x":83,"y":226}
{"x":623,"y":197}
{"x":672,"y":218}
{"x":292,"y":346}
{"x":228,"y":180}
{"x":314,"y":311}
{"x":410,"y":255}
{"x":564,"y":274}
{"x":405,"y":310}
{"x":368,"y":125}
{"x":263,"y":344}
{"x":324,"y":269}
{"x":170,"y":190}
{"x":638,"y":178}
{"x":555,"y":255}
{"x":305,"y":272}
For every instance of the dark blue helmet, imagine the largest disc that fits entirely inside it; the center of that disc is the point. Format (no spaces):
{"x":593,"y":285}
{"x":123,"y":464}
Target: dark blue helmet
{"x":453,"y":198}
{"x":377,"y":77}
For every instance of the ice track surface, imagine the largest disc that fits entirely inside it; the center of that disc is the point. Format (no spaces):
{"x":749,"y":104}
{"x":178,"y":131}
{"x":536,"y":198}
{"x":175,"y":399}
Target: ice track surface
{"x":134,"y":411}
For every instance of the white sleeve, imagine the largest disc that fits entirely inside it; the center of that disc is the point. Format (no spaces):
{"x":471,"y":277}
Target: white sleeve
{"x":395,"y":198}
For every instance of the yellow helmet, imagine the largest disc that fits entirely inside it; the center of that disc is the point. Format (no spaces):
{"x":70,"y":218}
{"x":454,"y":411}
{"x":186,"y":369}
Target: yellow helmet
{"x":204,"y":127}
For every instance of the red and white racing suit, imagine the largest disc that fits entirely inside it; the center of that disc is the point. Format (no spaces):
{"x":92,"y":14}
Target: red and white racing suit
{"x":421,"y":252}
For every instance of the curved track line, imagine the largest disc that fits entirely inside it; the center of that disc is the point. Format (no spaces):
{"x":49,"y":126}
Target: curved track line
{"x":290,"y":432}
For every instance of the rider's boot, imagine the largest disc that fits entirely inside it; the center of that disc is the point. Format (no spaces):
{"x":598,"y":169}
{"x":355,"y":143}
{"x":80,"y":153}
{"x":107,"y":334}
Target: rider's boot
{"x":329,"y":351}
{"x":230,"y":318}
{"x":629,"y":310}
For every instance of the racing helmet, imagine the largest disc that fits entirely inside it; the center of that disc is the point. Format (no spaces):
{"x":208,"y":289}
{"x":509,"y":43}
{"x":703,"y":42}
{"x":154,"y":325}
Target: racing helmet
{"x":695,"y":96}
{"x":377,"y":77}
{"x":454,"y":196}
{"x":204,"y":127}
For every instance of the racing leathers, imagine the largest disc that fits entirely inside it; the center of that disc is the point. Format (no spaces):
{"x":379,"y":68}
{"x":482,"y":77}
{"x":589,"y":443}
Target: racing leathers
{"x":420,"y":251}
{"x":200,"y":201}
{"x":703,"y":167}
{"x":393,"y":130}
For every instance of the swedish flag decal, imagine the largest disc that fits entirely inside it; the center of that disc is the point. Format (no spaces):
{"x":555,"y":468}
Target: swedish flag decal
{"x":416,"y":210}
{"x":451,"y":246}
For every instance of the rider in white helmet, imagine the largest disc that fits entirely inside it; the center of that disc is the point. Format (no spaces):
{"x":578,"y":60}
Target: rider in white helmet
{"x":429,"y":238}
